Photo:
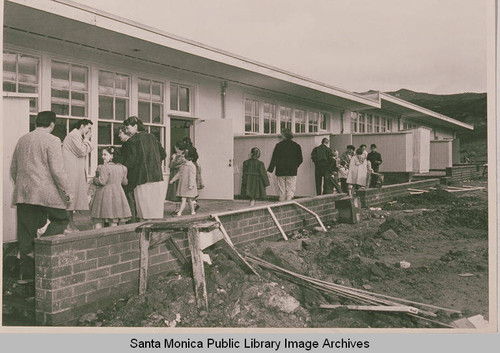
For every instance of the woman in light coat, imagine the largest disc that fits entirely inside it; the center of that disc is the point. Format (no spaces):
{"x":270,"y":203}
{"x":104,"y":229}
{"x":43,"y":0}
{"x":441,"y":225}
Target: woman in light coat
{"x":76,"y":147}
{"x":358,"y":171}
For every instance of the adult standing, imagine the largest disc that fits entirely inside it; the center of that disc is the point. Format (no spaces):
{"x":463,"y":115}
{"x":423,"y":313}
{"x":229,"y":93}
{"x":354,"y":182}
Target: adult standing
{"x":76,"y":147}
{"x":375,"y":159}
{"x":41,"y":189}
{"x":120,"y":157}
{"x":143,"y":161}
{"x":358,"y":171}
{"x":287,"y":157}
{"x":347,"y":155}
{"x":321,"y":156}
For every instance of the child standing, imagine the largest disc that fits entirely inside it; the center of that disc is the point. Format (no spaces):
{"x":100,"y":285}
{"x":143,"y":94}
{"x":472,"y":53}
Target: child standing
{"x":110,"y":203}
{"x":255,"y":178}
{"x":186,"y":187}
{"x":343,"y":172}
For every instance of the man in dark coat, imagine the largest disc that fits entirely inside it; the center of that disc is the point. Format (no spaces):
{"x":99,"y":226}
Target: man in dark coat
{"x":287,"y":157}
{"x":375,"y":159}
{"x":321,"y":155}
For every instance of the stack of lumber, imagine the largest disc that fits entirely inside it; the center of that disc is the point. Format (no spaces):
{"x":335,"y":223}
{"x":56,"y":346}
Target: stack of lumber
{"x":371,"y":301}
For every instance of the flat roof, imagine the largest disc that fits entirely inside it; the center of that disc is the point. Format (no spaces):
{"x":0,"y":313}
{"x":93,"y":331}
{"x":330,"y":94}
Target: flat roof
{"x":95,"y":28}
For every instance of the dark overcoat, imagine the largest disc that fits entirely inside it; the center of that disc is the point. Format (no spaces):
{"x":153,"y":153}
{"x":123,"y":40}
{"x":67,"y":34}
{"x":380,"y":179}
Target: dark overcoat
{"x":287,"y":157}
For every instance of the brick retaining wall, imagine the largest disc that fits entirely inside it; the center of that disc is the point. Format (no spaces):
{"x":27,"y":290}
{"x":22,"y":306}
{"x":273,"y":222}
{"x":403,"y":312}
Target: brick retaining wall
{"x":459,"y":173}
{"x":82,"y":272}
{"x":371,"y":197}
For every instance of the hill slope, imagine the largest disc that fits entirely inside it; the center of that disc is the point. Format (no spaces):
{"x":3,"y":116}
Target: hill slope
{"x":466,"y":107}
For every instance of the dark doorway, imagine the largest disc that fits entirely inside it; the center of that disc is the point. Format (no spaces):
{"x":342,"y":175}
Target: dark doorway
{"x":179,"y":128}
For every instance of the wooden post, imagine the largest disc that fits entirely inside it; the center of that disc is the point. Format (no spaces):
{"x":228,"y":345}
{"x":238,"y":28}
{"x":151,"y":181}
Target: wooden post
{"x":200,"y":287}
{"x":273,"y":216}
{"x":143,"y":274}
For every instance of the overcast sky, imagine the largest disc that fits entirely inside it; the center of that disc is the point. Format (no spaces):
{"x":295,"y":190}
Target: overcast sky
{"x":434,"y":46}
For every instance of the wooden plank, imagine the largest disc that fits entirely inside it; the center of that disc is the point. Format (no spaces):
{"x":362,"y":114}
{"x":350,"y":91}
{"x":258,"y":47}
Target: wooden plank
{"x":273,"y":216}
{"x":417,"y":190}
{"x":234,"y":254}
{"x":143,"y":272}
{"x":313,"y":213}
{"x":200,"y":286}
{"x":172,"y":246}
{"x":416,"y":193}
{"x":390,"y":308}
{"x":210,"y":238}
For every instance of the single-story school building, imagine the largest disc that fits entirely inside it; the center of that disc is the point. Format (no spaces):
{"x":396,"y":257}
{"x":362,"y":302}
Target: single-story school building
{"x":84,"y":63}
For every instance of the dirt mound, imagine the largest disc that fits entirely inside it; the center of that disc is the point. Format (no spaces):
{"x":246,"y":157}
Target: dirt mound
{"x":435,"y":197}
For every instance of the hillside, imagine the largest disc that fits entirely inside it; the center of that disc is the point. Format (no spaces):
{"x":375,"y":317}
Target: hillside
{"x":466,"y":107}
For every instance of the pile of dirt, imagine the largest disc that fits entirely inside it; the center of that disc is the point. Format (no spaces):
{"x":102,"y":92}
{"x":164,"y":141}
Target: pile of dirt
{"x":441,"y":237}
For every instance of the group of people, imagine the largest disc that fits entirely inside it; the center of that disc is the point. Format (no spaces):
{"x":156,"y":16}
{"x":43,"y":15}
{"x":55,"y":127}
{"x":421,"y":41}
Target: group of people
{"x":359,"y":168}
{"x":356,"y":168}
{"x":50,"y":182}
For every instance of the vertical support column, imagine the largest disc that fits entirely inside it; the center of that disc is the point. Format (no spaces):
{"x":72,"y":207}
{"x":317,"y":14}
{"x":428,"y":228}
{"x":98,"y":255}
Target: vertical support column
{"x":200,"y":288}
{"x":143,"y":273}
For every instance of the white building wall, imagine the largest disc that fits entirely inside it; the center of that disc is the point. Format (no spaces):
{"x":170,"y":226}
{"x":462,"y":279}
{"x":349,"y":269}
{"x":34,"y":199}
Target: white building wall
{"x":441,"y":154}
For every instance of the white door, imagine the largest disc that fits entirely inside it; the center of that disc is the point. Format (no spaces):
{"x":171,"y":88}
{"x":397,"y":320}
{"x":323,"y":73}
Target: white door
{"x":214,"y":142}
{"x":17,"y":124}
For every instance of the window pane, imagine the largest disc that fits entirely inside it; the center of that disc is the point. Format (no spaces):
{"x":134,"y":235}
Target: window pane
{"x":60,"y":128}
{"x":60,"y":102}
{"x":79,"y":78}
{"x":105,"y":107}
{"x":104,"y":133}
{"x":144,"y":112}
{"x":28,"y":69}
{"x":157,"y":113}
{"x":144,"y":89}
{"x":9,"y":65}
{"x":121,"y":85}
{"x":60,"y":75}
{"x":248,"y":107}
{"x":116,"y":139}
{"x":184,"y":99}
{"x":267,"y":127}
{"x":32,"y":122}
{"x":9,"y":86}
{"x":105,"y":82}
{"x":78,"y":104}
{"x":174,"y":97}
{"x":157,"y":92}
{"x":156,"y":130}
{"x":248,"y":123}
{"x":27,"y":88}
{"x":121,"y":109}
{"x":34,"y":105}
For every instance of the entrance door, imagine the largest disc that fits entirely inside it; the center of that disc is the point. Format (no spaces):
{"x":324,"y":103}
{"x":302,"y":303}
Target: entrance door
{"x":214,"y":142}
{"x":179,"y":129}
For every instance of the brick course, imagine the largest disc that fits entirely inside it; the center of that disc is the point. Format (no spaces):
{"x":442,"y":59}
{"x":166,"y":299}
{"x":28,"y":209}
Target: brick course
{"x":80,"y":272}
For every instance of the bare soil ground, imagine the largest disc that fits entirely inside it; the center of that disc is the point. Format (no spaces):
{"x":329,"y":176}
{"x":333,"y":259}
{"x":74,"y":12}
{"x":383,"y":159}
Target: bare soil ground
{"x":444,"y":237}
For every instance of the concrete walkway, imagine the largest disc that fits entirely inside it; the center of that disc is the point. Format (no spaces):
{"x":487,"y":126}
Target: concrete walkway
{"x":207,"y":207}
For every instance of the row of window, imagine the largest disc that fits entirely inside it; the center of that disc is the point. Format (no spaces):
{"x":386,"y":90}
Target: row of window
{"x":263,"y":117}
{"x":361,"y":123}
{"x":69,"y":88}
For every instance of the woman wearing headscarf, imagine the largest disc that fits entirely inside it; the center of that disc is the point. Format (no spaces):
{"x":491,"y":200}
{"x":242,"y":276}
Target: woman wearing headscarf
{"x":358,"y":171}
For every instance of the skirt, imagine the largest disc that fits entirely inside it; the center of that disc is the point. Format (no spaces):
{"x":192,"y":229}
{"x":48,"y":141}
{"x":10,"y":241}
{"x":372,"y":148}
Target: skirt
{"x":149,"y":199}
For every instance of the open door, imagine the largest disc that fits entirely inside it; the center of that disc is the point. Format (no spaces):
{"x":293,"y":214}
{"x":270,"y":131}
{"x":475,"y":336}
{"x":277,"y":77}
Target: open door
{"x":214,"y":142}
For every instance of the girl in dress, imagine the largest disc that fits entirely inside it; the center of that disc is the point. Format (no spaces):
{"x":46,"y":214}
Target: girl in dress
{"x":186,"y":188}
{"x":110,"y":203}
{"x":175,"y":164}
{"x":255,"y":178}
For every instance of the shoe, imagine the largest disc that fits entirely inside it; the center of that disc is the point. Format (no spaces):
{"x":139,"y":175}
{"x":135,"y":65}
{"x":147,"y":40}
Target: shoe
{"x":173,"y":213}
{"x":178,"y":214}
{"x":196,"y":207}
{"x":193,"y":213}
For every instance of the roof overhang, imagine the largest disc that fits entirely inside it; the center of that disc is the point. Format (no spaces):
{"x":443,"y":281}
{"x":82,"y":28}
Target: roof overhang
{"x":399,"y":107}
{"x":69,"y":22}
